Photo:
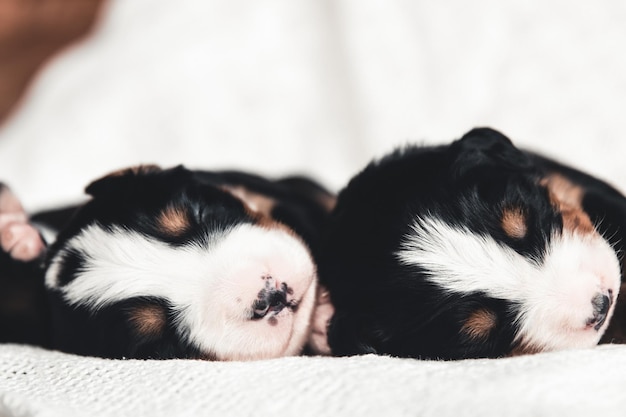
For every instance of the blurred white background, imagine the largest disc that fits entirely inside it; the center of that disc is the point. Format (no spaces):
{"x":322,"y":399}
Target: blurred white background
{"x":318,"y":87}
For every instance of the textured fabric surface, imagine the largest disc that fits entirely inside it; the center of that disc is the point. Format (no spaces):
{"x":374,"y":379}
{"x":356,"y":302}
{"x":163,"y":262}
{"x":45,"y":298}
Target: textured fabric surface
{"x":572,"y":383}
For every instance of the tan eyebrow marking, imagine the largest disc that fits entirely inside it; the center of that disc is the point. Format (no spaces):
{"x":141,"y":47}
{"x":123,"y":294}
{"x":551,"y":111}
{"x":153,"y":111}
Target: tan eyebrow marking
{"x":567,"y":197}
{"x":174,"y":220}
{"x":148,"y":319}
{"x":514,"y":222}
{"x":254,"y":201}
{"x":480,"y":323}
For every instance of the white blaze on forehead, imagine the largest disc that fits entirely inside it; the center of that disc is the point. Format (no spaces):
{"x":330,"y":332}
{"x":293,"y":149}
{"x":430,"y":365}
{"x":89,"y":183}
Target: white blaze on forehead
{"x":210,"y":287}
{"x":554,"y":295}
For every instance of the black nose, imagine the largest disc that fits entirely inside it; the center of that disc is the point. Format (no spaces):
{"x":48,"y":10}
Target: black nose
{"x":268,"y":302}
{"x":601,"y":304}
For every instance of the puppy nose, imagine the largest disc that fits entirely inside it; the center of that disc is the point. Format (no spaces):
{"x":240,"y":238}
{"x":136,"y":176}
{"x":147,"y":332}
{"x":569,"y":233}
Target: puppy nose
{"x":271,"y":302}
{"x":601,"y":304}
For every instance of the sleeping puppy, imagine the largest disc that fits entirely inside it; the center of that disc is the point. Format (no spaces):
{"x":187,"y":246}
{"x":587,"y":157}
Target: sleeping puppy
{"x":186,"y":264}
{"x":473,"y":249}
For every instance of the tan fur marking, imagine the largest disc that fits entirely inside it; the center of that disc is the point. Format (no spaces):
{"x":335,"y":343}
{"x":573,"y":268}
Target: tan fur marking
{"x":174,"y":221}
{"x":260,"y":207}
{"x":327,"y":201}
{"x":563,"y":191}
{"x":567,"y":197}
{"x":577,"y":220}
{"x":514,"y":222}
{"x":480,"y":323}
{"x":269,"y":223}
{"x":257,"y":203}
{"x":136,"y":170}
{"x":148,"y":320}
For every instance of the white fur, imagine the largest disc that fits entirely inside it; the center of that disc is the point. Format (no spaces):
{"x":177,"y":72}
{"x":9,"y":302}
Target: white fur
{"x":211,"y":288}
{"x":555,"y":295}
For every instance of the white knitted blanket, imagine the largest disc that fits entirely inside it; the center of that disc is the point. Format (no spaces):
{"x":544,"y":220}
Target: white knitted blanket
{"x":572,"y":383}
{"x":279,"y":86}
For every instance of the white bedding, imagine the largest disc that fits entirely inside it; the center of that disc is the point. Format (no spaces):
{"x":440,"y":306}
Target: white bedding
{"x":574,"y":383}
{"x":320,"y":88}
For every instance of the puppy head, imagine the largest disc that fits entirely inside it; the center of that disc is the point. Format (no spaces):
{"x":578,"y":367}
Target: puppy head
{"x":466,"y":250}
{"x":160,"y":263}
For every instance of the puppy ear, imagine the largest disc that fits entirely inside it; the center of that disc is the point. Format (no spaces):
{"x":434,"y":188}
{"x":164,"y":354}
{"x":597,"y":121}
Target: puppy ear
{"x":120,"y":180}
{"x":482,"y":150}
{"x":310,"y":191}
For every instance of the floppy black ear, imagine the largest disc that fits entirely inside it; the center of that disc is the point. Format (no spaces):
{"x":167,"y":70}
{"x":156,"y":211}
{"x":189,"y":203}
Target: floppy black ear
{"x":119,"y":181}
{"x":482,"y":150}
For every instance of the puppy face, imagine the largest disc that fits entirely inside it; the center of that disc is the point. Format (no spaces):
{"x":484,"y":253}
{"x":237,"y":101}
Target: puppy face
{"x":468,"y":250}
{"x":161,"y":263}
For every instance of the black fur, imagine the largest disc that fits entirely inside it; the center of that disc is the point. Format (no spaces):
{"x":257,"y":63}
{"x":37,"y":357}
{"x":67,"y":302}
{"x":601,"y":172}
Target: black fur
{"x":24,"y":314}
{"x":385,"y":307}
{"x":132,"y":200}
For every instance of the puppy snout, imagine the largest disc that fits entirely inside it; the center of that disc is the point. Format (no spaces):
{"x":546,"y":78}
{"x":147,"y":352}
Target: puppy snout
{"x":601,"y":304}
{"x":267,"y":303}
{"x":277,"y":301}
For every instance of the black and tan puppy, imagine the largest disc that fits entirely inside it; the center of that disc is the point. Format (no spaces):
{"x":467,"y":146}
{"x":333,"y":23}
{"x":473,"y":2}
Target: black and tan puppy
{"x":473,"y":249}
{"x":187,"y":264}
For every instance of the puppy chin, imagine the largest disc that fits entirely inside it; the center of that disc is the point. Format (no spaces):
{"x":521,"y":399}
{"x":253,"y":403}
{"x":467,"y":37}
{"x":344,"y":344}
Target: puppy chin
{"x":277,"y":334}
{"x":261,"y":304}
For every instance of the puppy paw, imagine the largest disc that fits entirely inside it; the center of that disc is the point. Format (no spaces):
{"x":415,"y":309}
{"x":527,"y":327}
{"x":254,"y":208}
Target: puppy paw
{"x":324,"y":310}
{"x":17,"y":237}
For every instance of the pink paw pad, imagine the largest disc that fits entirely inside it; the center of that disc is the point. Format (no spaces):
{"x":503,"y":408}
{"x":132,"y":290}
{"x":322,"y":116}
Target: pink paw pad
{"x":17,"y":237}
{"x":22,"y":241}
